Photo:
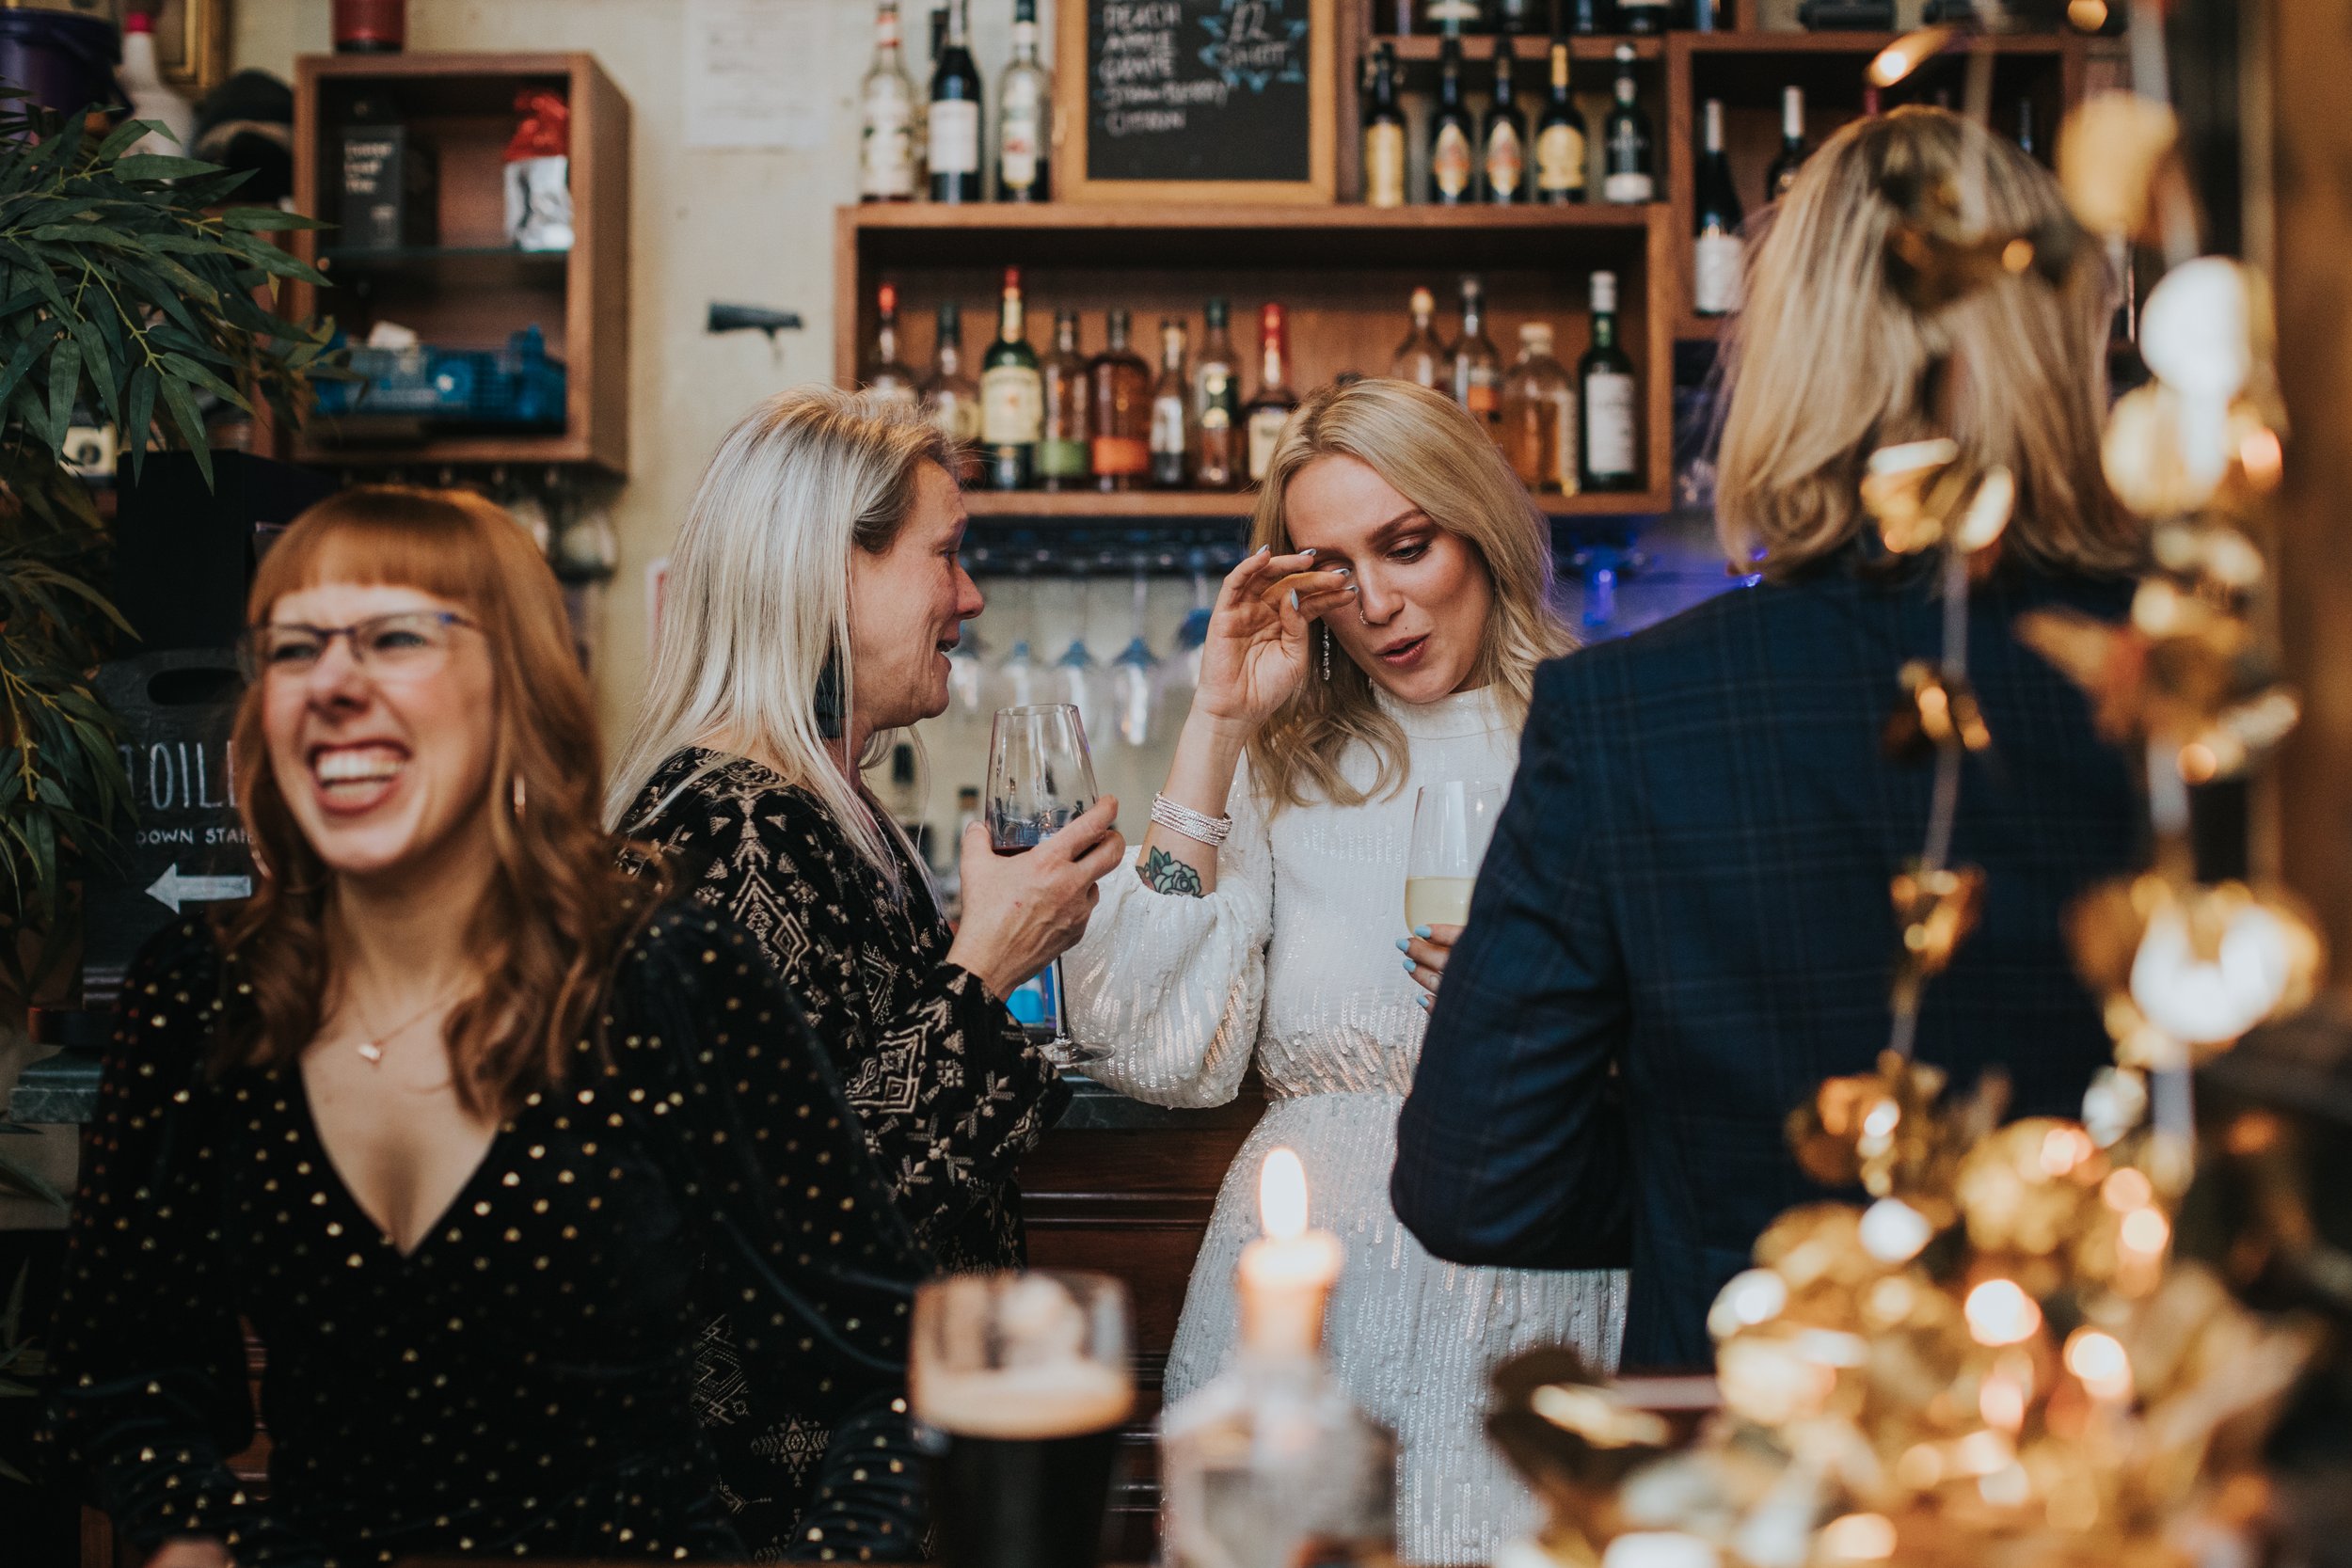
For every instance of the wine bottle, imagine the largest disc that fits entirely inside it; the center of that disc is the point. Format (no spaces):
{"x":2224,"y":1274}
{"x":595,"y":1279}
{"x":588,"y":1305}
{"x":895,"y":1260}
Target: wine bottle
{"x":1384,"y":134}
{"x":1608,"y":453}
{"x":1716,"y":264}
{"x":1628,"y":175}
{"x":1270,"y":410}
{"x":1503,"y":139}
{"x":1171,"y":422}
{"x":1518,"y":16}
{"x":1012,"y":397}
{"x":1644,"y":16}
{"x":1121,"y":450}
{"x":885,"y":375}
{"x":1584,"y":17}
{"x":1783,"y":173}
{"x":885,"y":164}
{"x":1064,"y":460}
{"x":954,"y":121}
{"x":1560,"y":138}
{"x":1025,"y":114}
{"x":1451,"y":164}
{"x":1217,"y":462}
{"x":1473,"y":369}
{"x":1422,"y":357}
{"x":950,"y":397}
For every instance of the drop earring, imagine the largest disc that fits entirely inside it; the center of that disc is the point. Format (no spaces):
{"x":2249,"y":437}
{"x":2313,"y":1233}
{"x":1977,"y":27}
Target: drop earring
{"x":521,"y":797}
{"x":1326,"y":655}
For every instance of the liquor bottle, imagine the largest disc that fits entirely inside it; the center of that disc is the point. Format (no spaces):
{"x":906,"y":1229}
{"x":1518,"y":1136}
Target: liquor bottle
{"x":1119,"y":452}
{"x":1452,"y":165}
{"x":1644,"y":16}
{"x":1422,"y":357}
{"x":1066,"y":434}
{"x":1217,"y":461}
{"x":2029,"y":140}
{"x":1539,"y":415}
{"x":1584,"y":17}
{"x":1783,"y":173}
{"x":1716,"y":262}
{"x":1013,"y":396}
{"x":1503,"y":140}
{"x":1171,"y":409}
{"x":141,"y":79}
{"x":1271,"y":408}
{"x":1627,"y":174}
{"x":885,"y":148}
{"x":366,"y":27}
{"x":1024,"y":115}
{"x":1384,"y":134}
{"x":1455,"y":16}
{"x":954,"y":122}
{"x":1518,"y":16}
{"x":1560,"y":138}
{"x":1473,"y":369}
{"x":1606,"y":453}
{"x":886,"y":376}
{"x":952,"y":398}
{"x":1270,"y":1461}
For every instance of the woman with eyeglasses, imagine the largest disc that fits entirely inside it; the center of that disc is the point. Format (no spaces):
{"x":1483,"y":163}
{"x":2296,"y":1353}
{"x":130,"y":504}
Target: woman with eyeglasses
{"x":466,"y":1124}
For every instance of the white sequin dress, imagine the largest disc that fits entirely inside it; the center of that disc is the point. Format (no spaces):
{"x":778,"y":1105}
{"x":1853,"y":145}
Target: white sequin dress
{"x":1293,"y":961}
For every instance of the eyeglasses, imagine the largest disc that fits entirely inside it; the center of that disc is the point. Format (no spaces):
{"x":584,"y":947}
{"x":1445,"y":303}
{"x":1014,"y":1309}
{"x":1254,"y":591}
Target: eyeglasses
{"x":408,"y":643}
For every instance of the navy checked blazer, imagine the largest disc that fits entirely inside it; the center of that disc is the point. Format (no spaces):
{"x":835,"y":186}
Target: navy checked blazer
{"x":1683,"y":925}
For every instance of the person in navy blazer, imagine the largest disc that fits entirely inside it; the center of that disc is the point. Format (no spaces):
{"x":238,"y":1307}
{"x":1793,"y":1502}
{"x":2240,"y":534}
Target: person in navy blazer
{"x":1684,"y":925}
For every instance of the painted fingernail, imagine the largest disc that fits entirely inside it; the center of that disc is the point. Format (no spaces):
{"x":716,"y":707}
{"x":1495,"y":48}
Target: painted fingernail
{"x":1293,"y":598}
{"x":1403,"y":943}
{"x":1266,"y":549}
{"x":1307,"y":552}
{"x":1410,"y":966}
{"x":1344,"y":571}
{"x":1424,"y":1000}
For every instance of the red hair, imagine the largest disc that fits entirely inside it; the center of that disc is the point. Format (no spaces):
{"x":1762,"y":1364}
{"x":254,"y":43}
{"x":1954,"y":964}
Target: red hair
{"x":558,"y":906}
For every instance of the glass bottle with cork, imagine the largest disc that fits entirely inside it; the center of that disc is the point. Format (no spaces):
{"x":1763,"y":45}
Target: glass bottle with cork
{"x":952,"y":126}
{"x":1453,"y":168}
{"x":1064,"y":460}
{"x":950,"y":397}
{"x":1119,"y":450}
{"x":1718,"y":256}
{"x":1013,"y":396}
{"x":1628,"y":169}
{"x":1791,"y":158}
{"x":1560,"y":146}
{"x":1024,"y":115}
{"x":885,"y":161}
{"x":885,"y":375}
{"x":1608,"y":451}
{"x":1422,"y":357}
{"x":1539,"y":416}
{"x":1502,"y":141}
{"x":1474,"y":368}
{"x":1384,"y":134}
{"x":1171,"y":413}
{"x":1216,"y":432}
{"x":1270,"y":410}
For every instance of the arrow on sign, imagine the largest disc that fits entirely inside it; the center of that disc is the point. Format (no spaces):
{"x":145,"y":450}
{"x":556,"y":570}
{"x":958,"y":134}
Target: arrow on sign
{"x":172,"y":890}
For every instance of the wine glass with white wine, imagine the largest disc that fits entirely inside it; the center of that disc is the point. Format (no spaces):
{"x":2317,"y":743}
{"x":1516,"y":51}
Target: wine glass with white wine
{"x":1453,"y":824}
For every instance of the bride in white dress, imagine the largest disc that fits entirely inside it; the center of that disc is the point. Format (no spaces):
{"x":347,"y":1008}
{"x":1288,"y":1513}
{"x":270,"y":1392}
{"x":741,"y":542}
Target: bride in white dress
{"x":1384,"y":637}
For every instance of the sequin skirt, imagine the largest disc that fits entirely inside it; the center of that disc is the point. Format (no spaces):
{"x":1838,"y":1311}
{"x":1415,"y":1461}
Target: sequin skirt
{"x":1410,"y":1338}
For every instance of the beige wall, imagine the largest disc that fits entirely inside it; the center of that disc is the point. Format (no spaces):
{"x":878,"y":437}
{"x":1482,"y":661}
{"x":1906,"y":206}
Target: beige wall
{"x":752,"y":227}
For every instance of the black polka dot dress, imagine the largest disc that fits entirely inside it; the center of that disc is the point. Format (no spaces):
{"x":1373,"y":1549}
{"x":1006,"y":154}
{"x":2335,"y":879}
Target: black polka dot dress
{"x":521,"y":1382}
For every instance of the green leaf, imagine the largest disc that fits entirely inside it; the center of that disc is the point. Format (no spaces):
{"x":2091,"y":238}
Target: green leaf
{"x":182,"y":402}
{"x":21,"y":359}
{"x":124,"y":135}
{"x":188,"y":369}
{"x":82,"y":233}
{"x":162,"y":166}
{"x":65,"y":380}
{"x":139,"y":418}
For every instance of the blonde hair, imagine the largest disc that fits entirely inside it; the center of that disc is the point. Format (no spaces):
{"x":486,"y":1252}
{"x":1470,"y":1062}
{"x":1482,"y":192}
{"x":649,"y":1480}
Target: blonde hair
{"x":757,"y":600}
{"x":1438,"y":457}
{"x":1826,"y":362}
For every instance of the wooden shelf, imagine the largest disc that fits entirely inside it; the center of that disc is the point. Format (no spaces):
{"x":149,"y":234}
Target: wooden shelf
{"x":1339,"y":218}
{"x":1419,"y":48}
{"x":472,"y":287}
{"x":1789,"y":40}
{"x":1194,"y":505}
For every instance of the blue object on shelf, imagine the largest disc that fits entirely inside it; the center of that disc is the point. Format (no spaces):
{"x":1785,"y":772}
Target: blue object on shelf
{"x":513,"y":387}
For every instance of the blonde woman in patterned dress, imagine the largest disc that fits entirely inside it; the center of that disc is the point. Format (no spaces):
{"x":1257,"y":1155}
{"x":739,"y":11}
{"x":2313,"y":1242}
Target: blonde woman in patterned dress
{"x":813,"y":593}
{"x":1385,"y":635}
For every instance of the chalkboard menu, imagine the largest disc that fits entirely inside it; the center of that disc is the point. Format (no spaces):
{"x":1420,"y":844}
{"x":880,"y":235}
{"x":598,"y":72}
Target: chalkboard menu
{"x":1198,"y":99}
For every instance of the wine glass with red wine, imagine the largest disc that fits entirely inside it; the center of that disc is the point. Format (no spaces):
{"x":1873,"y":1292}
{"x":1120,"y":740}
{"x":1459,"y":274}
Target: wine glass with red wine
{"x":1039,"y":776}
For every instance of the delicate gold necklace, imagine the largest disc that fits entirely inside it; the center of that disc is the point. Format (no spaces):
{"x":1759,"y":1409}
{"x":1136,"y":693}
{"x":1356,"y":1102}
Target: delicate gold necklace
{"x":372,"y":1049}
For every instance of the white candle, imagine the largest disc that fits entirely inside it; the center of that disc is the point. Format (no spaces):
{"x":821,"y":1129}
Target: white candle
{"x":1286,"y":1277}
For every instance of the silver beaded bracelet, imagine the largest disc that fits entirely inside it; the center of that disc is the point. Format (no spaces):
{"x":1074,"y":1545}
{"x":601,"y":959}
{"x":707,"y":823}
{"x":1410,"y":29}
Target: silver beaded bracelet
{"x":1201,"y":828}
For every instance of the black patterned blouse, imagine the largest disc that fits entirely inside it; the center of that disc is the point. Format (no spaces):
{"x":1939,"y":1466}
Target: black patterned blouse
{"x":520,"y":1384}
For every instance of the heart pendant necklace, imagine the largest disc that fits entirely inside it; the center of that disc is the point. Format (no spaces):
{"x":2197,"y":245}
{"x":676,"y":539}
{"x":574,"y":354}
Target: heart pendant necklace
{"x":371,"y":1048}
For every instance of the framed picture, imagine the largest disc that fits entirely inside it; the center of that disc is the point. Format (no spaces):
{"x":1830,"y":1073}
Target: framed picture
{"x":192,"y":39}
{"x":1196,"y":101}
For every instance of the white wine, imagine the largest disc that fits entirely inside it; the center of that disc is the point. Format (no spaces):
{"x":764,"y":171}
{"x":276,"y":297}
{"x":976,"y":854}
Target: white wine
{"x":1438,"y":900}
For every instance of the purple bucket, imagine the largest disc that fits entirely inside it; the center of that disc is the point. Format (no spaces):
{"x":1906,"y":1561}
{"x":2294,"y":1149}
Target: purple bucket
{"x":66,"y":62}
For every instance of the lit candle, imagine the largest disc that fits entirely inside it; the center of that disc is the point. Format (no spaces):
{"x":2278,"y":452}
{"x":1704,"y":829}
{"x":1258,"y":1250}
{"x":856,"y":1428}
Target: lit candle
{"x":1286,"y":1277}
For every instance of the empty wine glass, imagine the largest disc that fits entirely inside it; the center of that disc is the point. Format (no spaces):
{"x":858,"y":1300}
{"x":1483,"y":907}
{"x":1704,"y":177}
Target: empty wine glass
{"x":1017,"y":677}
{"x":967,"y":673}
{"x":1135,"y":673}
{"x":1039,"y":776}
{"x":1453,"y":824}
{"x":1194,"y":634}
{"x":1078,"y":681}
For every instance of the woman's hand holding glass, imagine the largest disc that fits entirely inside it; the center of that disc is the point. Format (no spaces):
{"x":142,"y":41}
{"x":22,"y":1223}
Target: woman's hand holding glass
{"x":1023,"y":911}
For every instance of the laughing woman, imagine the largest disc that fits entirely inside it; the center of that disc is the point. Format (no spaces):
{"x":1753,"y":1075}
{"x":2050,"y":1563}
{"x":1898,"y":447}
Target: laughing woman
{"x":1384,"y":637}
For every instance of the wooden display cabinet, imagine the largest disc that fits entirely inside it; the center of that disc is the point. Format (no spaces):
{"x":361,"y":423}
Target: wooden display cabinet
{"x":1344,"y":272}
{"x":471,"y":288}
